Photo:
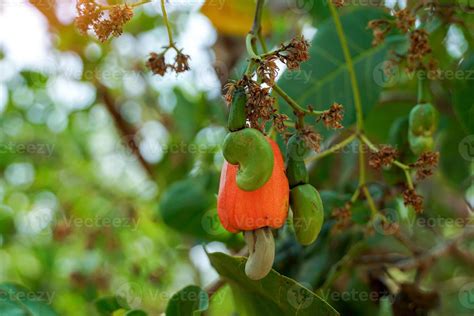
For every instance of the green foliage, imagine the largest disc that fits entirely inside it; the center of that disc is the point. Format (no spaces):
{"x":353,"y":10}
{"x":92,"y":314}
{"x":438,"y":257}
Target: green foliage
{"x":81,"y":215}
{"x":191,"y":300}
{"x":324,"y":79}
{"x":462,"y":96}
{"x":274,"y":295}
{"x":16,"y":300}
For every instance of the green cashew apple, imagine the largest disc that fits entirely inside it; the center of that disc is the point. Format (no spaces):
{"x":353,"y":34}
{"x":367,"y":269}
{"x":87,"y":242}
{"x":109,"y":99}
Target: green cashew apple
{"x":423,"y":120}
{"x":297,"y":148}
{"x":308,"y":213}
{"x":420,"y":144}
{"x":252,"y":152}
{"x":237,"y":114}
{"x":296,"y":172}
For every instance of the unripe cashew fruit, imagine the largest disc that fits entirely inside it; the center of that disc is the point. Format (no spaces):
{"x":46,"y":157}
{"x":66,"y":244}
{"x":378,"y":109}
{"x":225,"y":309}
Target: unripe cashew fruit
{"x":308,"y":213}
{"x":261,"y":252}
{"x":296,"y":172}
{"x":420,"y":144}
{"x":253,"y":154}
{"x":423,"y":120}
{"x":237,"y":114}
{"x":297,"y":148}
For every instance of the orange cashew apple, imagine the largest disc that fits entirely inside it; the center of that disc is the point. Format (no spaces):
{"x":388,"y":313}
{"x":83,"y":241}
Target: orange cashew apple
{"x":267,"y":206}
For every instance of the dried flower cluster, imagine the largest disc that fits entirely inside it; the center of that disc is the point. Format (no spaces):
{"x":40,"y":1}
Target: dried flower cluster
{"x":311,"y":138}
{"x":404,"y":20}
{"x":267,"y":70}
{"x":279,"y":122}
{"x":294,"y":53}
{"x":411,"y":198}
{"x":380,"y":29}
{"x":259,"y":103}
{"x":384,"y":157}
{"x":419,"y":49}
{"x":91,"y":17}
{"x":157,"y":64}
{"x":338,"y":3}
{"x":343,"y":216}
{"x":425,"y":164}
{"x":333,"y":117}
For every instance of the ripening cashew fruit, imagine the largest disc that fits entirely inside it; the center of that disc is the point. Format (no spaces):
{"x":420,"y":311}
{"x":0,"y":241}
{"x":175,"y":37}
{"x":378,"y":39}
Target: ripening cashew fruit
{"x":252,"y":153}
{"x":295,"y":154}
{"x":423,"y":121}
{"x":306,"y":204}
{"x":296,"y":148}
{"x":255,"y":212}
{"x":308,"y":213}
{"x":296,"y":172}
{"x":237,"y":114}
{"x":241,"y":210}
{"x":420,"y":144}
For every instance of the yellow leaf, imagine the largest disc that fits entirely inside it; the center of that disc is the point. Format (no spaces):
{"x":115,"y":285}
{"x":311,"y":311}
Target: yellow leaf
{"x":233,"y":17}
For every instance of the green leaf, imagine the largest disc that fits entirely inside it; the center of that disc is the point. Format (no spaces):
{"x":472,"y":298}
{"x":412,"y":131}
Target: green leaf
{"x":324,"y":79}
{"x":17,"y":300}
{"x":453,"y":165}
{"x":462,"y":94}
{"x":136,"y":312}
{"x":273,"y":295}
{"x":191,"y":300}
{"x":108,"y":305}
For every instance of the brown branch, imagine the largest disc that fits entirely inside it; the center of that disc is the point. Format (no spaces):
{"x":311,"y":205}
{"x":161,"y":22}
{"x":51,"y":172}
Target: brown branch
{"x":126,"y":130}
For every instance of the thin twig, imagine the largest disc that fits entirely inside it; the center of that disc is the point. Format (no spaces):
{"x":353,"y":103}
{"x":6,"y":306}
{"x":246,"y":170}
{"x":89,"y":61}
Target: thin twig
{"x":333,"y":149}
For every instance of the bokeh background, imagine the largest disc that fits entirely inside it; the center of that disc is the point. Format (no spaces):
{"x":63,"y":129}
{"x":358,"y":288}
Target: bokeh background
{"x":91,"y":144}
